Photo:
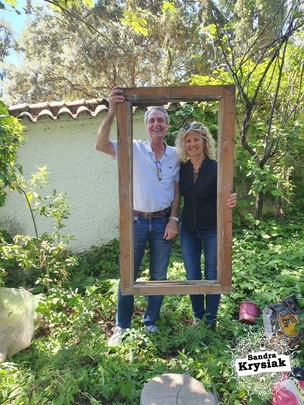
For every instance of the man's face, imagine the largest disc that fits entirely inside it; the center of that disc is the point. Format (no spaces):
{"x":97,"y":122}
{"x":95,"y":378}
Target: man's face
{"x":156,"y":125}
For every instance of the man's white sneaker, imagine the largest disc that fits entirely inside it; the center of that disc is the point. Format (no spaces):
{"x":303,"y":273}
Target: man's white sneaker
{"x":151,"y":329}
{"x":116,"y":338}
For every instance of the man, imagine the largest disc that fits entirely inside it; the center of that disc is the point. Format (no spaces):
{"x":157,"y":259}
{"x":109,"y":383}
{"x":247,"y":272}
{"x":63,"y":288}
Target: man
{"x":155,"y":202}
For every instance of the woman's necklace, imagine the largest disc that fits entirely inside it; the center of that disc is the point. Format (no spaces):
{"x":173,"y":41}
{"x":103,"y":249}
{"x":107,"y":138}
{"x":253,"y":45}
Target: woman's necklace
{"x":195,"y":173}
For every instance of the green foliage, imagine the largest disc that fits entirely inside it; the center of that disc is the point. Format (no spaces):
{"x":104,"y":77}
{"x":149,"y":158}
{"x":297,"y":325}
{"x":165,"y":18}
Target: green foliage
{"x":44,"y":254}
{"x":11,"y":2}
{"x":10,"y":141}
{"x":127,"y":39}
{"x":269,"y":253}
{"x":269,"y":87}
{"x":138,"y":24}
{"x":205,"y":112}
{"x":69,"y":361}
{"x":61,"y":5}
{"x":99,"y":263}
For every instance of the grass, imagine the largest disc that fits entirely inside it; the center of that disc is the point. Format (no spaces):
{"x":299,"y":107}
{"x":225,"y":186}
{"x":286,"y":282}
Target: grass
{"x":69,"y":361}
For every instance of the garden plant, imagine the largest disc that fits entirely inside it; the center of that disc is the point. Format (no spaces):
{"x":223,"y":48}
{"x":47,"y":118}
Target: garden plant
{"x":69,"y":361}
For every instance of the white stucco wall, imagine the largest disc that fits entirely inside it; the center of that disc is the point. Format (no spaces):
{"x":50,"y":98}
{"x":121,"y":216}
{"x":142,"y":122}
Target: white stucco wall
{"x":89,"y":179}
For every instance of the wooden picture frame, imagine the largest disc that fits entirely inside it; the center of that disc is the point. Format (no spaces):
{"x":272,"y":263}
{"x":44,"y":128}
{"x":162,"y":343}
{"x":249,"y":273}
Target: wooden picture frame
{"x":151,"y":96}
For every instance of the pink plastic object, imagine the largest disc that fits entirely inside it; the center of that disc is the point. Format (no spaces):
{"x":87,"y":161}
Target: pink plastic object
{"x":248,"y":312}
{"x":292,"y":393}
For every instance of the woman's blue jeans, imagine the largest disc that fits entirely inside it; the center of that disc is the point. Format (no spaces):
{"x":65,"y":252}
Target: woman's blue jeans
{"x":149,"y":231}
{"x":192,"y":245}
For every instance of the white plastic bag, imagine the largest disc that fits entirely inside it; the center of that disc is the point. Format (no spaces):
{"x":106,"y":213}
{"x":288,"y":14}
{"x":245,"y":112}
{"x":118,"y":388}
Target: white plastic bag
{"x":17,"y":320}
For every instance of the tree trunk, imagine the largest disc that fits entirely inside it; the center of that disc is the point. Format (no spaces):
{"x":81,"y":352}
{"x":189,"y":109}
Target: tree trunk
{"x":259,"y":203}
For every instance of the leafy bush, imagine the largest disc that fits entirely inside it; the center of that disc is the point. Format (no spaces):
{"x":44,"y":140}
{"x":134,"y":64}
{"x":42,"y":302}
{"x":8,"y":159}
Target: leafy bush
{"x":44,"y":256}
{"x":10,"y":140}
{"x":69,"y":361}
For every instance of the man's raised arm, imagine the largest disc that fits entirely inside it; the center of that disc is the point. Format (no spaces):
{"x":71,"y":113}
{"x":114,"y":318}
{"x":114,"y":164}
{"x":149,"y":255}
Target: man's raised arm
{"x":103,"y":143}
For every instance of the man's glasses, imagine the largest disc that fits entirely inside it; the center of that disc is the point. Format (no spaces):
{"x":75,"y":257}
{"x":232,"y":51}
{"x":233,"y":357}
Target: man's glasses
{"x":192,"y":126}
{"x":159,"y":170}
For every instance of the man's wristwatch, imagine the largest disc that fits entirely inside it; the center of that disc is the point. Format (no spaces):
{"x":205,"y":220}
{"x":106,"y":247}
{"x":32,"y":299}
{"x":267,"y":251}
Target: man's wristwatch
{"x":174,"y":219}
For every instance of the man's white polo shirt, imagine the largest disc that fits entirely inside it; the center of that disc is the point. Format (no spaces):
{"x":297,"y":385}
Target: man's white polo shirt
{"x":149,"y":193}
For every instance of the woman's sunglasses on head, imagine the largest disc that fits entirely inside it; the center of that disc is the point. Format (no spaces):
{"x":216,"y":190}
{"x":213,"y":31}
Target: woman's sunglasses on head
{"x":196,"y":125}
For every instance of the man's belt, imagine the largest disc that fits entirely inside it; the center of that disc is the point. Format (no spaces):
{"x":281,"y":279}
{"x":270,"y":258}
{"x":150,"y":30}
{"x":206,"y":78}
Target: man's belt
{"x":153,"y":215}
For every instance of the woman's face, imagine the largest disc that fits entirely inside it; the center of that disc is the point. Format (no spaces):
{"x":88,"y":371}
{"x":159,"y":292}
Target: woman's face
{"x":194,"y":144}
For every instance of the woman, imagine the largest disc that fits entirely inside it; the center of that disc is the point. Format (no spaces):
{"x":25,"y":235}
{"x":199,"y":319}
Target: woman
{"x":198,"y":231}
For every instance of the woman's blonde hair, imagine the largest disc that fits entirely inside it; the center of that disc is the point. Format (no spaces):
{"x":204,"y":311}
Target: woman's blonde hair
{"x":209,"y":146}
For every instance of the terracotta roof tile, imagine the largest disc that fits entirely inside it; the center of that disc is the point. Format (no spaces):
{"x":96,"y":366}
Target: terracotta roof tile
{"x":34,"y":112}
{"x":54,"y":110}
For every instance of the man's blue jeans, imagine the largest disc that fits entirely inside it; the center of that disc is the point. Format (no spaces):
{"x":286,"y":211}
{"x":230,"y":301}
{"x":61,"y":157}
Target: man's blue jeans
{"x":151,"y":231}
{"x":192,"y":245}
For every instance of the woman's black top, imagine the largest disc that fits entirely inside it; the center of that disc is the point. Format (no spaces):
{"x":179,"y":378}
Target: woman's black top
{"x":199,"y":211}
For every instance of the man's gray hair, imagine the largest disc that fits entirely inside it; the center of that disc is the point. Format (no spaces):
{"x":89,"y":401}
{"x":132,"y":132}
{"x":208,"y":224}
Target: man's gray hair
{"x":159,"y":108}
